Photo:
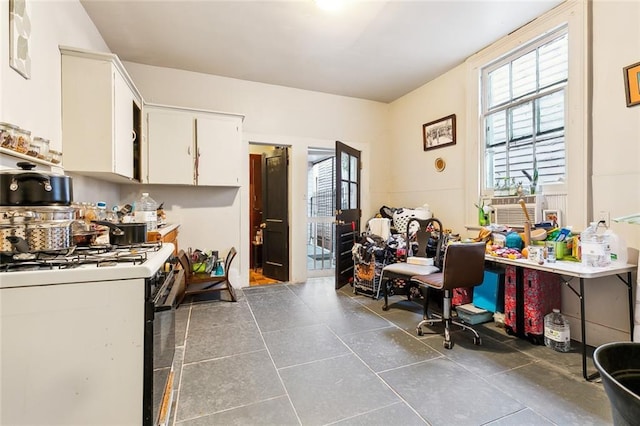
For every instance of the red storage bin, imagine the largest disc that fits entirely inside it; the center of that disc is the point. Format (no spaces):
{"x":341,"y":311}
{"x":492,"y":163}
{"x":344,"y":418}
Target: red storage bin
{"x":527,"y":304}
{"x":462,"y":296}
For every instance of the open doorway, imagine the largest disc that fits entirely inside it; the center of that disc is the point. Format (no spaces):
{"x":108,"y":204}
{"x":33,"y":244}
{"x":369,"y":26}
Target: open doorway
{"x":321,"y":172}
{"x":268,"y":214}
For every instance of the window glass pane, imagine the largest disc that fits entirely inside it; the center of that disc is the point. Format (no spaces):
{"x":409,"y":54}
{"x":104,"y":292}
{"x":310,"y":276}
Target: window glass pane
{"x":554,"y":64}
{"x":525,"y":114}
{"x":344,"y":165}
{"x":551,"y":112}
{"x":496,"y":160}
{"x":521,"y":121}
{"x":354,"y":169}
{"x":344,"y":196}
{"x":498,"y":86}
{"x":524,"y":75}
{"x":550,"y":157}
{"x":354,"y":196}
{"x":496,"y":126}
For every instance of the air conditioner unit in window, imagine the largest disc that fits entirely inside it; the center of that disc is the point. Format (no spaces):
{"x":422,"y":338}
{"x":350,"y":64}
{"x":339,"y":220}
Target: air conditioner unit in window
{"x":507,"y":210}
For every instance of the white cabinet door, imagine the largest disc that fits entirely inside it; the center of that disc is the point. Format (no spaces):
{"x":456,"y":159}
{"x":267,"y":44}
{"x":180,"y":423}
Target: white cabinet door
{"x":219,"y":144}
{"x":123,"y":127}
{"x":171,"y":147}
{"x":100,"y":110}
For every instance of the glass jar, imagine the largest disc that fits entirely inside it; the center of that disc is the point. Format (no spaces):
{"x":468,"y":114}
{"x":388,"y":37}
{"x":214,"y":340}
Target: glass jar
{"x":22,"y":140}
{"x":7,"y":135}
{"x":42,"y":146}
{"x":55,"y":156}
{"x":34,"y":149}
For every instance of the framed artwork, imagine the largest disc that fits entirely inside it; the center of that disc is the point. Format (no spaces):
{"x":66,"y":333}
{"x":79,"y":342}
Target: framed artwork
{"x":439,"y":133}
{"x":19,"y":33}
{"x":552,"y":216}
{"x":632,"y":84}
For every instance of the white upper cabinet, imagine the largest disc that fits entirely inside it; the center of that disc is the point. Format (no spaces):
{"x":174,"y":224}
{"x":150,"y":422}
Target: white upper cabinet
{"x":193,"y":147}
{"x":101,"y":117}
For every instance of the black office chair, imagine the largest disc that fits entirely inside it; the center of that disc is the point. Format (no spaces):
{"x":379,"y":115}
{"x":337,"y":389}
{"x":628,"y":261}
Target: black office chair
{"x":420,"y":233}
{"x":463,"y":267}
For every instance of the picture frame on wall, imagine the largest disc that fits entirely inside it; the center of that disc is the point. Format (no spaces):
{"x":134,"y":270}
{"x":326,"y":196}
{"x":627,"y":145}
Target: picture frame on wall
{"x":439,"y":133}
{"x":552,"y":216}
{"x":632,"y":84}
{"x":19,"y":34}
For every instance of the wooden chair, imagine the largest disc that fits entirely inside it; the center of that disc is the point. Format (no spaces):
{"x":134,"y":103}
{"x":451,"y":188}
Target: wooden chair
{"x":198,"y":282}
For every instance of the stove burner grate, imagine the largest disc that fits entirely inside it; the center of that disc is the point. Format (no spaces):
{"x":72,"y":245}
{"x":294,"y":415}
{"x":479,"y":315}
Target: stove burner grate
{"x":100,"y":256}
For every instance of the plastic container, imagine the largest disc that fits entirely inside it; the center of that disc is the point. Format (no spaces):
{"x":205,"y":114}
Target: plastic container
{"x":594,"y":247}
{"x":55,"y":156}
{"x":7,"y":135}
{"x":619,"y":366}
{"x":22,"y":140}
{"x":145,"y":211}
{"x":42,"y":146}
{"x":557,"y":334}
{"x":101,"y":210}
{"x":618,"y":247}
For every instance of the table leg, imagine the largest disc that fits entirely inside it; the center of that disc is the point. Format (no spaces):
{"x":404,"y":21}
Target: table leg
{"x":631,"y":303}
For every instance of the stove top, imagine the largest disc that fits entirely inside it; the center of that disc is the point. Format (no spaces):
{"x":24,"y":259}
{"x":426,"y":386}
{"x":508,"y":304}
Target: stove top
{"x":81,"y":264}
{"x":100,"y":256}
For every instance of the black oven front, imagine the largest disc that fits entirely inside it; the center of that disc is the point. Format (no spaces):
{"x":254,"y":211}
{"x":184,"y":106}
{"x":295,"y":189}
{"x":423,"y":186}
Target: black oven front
{"x":159,"y":344}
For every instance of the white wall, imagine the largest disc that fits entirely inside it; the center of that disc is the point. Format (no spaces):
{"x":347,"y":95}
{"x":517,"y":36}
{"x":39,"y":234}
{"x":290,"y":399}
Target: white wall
{"x":414,"y":179}
{"x":273,"y":115}
{"x":35,"y":104}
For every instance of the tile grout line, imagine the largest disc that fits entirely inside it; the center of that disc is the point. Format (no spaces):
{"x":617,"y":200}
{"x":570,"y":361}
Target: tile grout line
{"x":272,"y":361}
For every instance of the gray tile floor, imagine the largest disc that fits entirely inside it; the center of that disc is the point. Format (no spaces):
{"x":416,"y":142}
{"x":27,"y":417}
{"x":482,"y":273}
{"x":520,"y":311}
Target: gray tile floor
{"x":305,"y":354}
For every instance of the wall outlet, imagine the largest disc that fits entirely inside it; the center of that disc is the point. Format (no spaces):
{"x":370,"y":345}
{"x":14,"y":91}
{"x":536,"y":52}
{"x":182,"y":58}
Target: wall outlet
{"x":604,"y":216}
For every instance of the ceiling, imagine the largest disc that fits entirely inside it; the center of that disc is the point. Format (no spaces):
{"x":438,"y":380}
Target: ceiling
{"x":376,"y":50}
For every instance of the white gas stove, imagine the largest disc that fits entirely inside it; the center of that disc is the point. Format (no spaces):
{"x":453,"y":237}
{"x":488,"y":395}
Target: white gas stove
{"x":88,"y":337}
{"x":87,"y":264}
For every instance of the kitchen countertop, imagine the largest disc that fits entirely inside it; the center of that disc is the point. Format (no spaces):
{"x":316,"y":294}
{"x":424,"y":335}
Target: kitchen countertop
{"x":88,"y":273}
{"x":165,"y":229}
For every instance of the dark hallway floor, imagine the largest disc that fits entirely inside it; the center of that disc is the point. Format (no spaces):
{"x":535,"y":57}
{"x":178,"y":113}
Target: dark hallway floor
{"x":291,"y":354}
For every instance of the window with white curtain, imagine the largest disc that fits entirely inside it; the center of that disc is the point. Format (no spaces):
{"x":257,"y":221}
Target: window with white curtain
{"x":523,"y":113}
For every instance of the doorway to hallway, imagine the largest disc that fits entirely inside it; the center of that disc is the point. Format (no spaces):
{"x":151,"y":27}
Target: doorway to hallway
{"x":268,"y":214}
{"x":321,"y":164}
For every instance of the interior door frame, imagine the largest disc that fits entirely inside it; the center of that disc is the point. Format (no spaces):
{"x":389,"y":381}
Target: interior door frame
{"x":260,"y":148}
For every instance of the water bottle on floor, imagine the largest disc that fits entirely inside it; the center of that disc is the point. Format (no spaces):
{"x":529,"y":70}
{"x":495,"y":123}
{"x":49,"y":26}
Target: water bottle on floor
{"x":557,"y":335}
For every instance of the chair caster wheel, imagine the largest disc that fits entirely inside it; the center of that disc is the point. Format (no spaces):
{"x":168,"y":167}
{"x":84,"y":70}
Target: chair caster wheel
{"x":447,"y":344}
{"x":385,"y":308}
{"x":419,"y":331}
{"x":477,"y":341}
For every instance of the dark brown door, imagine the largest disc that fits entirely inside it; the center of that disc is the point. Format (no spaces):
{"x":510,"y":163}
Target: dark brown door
{"x":275,"y":221}
{"x":347,"y":210}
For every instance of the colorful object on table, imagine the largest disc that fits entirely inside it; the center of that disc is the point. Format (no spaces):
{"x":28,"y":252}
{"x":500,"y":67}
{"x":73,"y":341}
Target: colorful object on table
{"x":514,"y":240}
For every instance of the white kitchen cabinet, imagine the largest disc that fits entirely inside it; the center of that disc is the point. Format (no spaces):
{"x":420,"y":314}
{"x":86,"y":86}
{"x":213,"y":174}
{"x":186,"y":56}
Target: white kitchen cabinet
{"x":193,"y":147}
{"x":101,"y":117}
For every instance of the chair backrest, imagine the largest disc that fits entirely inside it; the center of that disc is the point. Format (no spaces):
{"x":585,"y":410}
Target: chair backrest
{"x":427,"y":229}
{"x":227,"y":261}
{"x":463,"y":265}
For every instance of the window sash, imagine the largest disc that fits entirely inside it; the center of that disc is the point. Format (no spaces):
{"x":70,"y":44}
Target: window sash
{"x":524,"y":113}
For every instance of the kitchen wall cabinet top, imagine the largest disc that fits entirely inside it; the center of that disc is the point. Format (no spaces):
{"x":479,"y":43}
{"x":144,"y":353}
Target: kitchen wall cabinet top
{"x":101,"y":117}
{"x":186,"y":146}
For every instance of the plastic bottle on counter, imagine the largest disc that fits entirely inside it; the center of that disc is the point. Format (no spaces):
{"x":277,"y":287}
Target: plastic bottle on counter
{"x":594,"y":246}
{"x":101,"y":210}
{"x":145,"y":211}
{"x":557,"y":334}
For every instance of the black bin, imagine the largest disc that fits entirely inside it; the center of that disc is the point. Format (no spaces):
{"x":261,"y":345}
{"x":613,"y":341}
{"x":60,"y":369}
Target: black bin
{"x":619,"y":366}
